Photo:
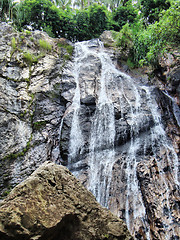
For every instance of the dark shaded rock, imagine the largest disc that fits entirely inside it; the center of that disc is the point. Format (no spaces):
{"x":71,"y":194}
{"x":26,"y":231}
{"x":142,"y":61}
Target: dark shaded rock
{"x":175,"y":80}
{"x":89,"y":100}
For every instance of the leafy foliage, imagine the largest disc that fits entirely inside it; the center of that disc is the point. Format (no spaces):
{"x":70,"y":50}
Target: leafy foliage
{"x":145,"y":29}
{"x":82,"y":31}
{"x":74,"y":25}
{"x":152,"y":8}
{"x":7,"y":8}
{"x":153,"y":41}
{"x":146,"y":44}
{"x":124,"y":38}
{"x":97,"y":20}
{"x":124,"y":14}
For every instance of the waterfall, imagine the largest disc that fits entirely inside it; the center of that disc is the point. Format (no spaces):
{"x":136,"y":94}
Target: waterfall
{"x":76,"y":138}
{"x":101,"y":156}
{"x":159,"y":138}
{"x":133,"y":136}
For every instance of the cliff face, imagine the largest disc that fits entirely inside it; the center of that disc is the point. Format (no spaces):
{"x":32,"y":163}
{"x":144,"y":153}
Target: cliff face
{"x":118,"y":135}
{"x":31,"y":104}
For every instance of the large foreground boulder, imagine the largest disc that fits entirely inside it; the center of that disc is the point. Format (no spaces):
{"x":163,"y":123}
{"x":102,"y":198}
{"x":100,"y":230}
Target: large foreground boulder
{"x":52,"y":205}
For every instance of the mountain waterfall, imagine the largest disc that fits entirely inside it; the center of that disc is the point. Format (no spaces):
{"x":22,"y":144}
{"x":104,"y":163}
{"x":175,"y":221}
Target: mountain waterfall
{"x":123,"y":142}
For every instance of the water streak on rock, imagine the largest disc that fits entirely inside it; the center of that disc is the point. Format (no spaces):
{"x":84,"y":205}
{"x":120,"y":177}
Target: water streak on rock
{"x":125,"y":128}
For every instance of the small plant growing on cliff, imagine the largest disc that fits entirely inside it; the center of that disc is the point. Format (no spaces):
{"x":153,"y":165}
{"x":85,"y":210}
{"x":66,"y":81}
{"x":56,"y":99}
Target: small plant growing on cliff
{"x":68,"y":47}
{"x":22,"y":37}
{"x":29,"y":58}
{"x":28,"y":33}
{"x":39,"y":125}
{"x":32,"y":39}
{"x":13,"y":43}
{"x":45,"y":45}
{"x":106,"y":236}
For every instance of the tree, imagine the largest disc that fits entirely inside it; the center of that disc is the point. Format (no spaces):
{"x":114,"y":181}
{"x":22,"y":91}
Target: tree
{"x":61,"y":3}
{"x":151,"y":9}
{"x":6,"y":9}
{"x":82,"y":21}
{"x":97,"y":20}
{"x":43,"y":15}
{"x":157,"y":38}
{"x":124,"y":14}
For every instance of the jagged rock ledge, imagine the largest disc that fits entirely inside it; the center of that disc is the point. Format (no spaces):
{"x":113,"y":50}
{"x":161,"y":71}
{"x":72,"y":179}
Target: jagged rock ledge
{"x":52,"y":205}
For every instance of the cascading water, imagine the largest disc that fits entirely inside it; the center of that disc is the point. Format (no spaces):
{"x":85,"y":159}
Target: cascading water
{"x":137,"y":128}
{"x":76,"y":138}
{"x":101,"y":150}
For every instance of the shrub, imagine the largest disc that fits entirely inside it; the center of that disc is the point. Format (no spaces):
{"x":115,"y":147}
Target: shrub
{"x":151,"y":43}
{"x":124,"y":38}
{"x":151,"y":9}
{"x":82,"y":31}
{"x":123,"y":15}
{"x":22,"y":37}
{"x":39,"y":125}
{"x":98,"y":21}
{"x":49,"y":31}
{"x":28,"y":33}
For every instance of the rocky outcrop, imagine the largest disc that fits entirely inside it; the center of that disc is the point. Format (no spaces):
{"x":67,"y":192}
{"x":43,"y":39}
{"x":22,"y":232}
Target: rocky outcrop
{"x":169,"y":64}
{"x":32,"y":67}
{"x":52,"y":204}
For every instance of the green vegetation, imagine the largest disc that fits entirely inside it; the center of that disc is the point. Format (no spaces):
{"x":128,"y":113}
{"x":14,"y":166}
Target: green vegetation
{"x":66,"y":46}
{"x":21,"y":153}
{"x":22,"y":37}
{"x":28,"y":33}
{"x":146,"y":43}
{"x":7,"y":9}
{"x":124,"y":14}
{"x":152,"y":8}
{"x":38,"y":125}
{"x":30,"y":58}
{"x":144,"y":28}
{"x":6,"y":192}
{"x":45,"y":45}
{"x":13,"y":43}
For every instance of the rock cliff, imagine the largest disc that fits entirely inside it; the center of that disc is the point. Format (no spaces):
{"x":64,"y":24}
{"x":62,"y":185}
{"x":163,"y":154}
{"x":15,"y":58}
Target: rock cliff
{"x":119,"y":135}
{"x":51,"y":204}
{"x":31,"y":104}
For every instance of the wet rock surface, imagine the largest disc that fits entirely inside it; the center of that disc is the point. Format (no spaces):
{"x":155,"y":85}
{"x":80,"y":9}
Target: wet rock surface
{"x":52,"y":204}
{"x":145,"y":123}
